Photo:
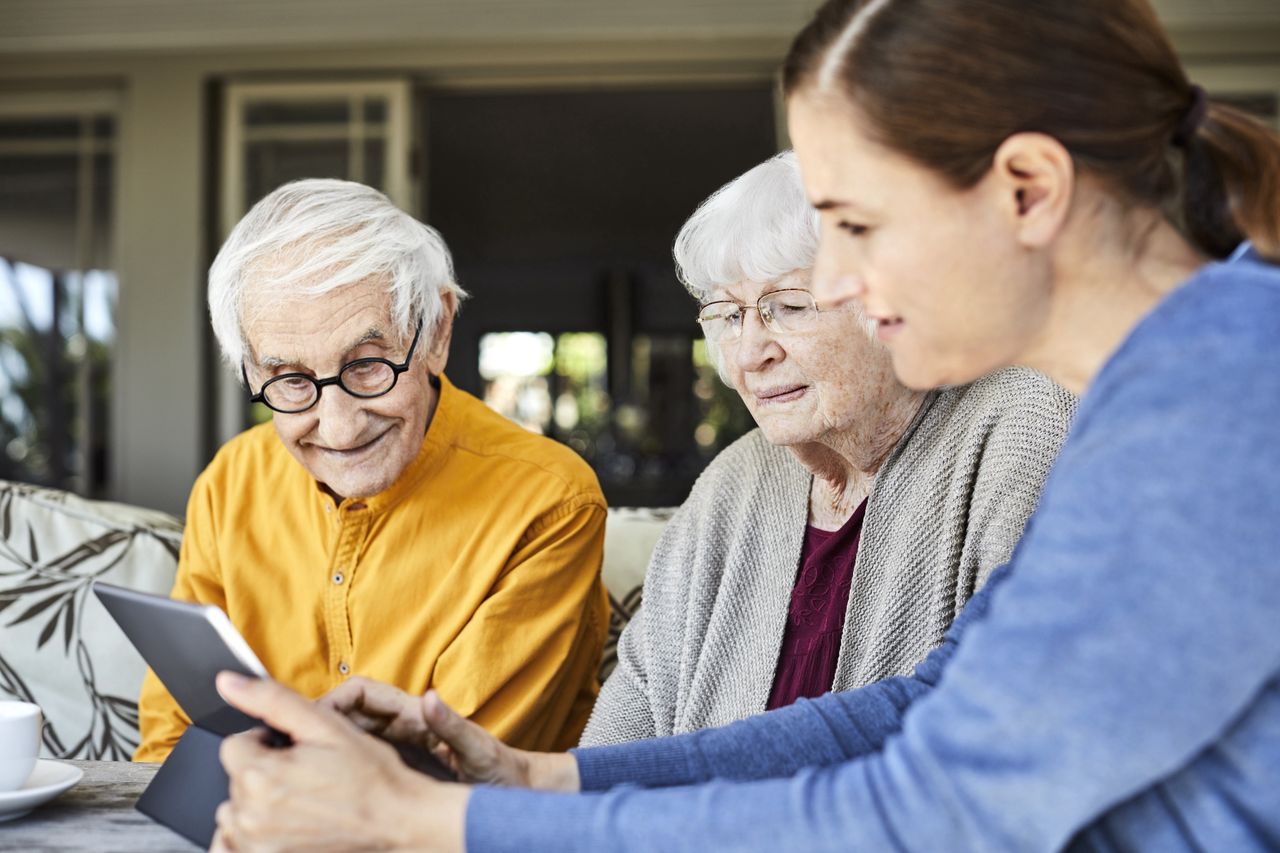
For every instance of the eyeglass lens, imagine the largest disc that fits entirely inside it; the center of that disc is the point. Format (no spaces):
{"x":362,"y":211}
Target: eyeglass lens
{"x":780,"y":311}
{"x":359,"y":378}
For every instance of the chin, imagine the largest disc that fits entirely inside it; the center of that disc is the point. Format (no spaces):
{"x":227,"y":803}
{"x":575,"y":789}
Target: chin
{"x":925,"y":374}
{"x":356,"y":484}
{"x":784,"y":437}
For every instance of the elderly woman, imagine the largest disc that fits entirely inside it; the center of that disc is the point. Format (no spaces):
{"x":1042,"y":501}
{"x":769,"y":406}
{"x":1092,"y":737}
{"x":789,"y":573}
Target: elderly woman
{"x":833,"y":546}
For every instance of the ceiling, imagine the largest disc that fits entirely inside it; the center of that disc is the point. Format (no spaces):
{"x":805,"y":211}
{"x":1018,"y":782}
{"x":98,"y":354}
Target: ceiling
{"x":54,"y":26}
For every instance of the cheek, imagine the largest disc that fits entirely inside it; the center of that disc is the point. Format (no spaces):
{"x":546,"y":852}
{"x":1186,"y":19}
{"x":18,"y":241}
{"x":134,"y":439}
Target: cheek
{"x":408,"y":402}
{"x":291,"y":430}
{"x":838,"y":262}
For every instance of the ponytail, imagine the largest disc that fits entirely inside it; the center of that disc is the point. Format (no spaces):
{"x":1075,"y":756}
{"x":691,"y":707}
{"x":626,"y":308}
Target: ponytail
{"x":1232,"y":184}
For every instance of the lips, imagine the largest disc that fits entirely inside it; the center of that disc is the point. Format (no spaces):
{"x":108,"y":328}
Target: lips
{"x":780,"y":394}
{"x":351,"y":452}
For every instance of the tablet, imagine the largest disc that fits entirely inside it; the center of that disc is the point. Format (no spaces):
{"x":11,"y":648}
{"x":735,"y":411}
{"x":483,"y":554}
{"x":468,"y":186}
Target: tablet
{"x":187,"y":645}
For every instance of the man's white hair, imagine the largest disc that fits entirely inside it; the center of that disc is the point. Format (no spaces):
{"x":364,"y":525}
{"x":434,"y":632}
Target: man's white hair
{"x":313,"y":236}
{"x":758,"y":227}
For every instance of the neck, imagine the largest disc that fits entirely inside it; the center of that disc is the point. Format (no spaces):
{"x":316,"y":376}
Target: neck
{"x":844,"y":462}
{"x":1102,"y":288}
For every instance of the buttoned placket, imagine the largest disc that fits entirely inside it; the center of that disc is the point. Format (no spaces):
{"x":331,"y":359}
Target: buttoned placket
{"x":353,"y":521}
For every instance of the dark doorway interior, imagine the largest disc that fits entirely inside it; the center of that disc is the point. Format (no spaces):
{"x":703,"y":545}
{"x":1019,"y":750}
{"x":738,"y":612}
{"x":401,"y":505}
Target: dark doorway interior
{"x":560,"y":209}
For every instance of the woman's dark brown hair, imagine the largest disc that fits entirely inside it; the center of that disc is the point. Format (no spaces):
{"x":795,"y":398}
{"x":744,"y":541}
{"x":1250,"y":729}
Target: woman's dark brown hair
{"x":945,"y":82}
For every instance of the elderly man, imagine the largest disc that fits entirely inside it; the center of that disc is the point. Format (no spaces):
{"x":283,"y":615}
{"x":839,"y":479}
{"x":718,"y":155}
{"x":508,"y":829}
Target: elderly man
{"x":385,"y":523}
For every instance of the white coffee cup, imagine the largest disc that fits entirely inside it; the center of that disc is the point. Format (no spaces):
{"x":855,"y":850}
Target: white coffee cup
{"x":20,"y":724}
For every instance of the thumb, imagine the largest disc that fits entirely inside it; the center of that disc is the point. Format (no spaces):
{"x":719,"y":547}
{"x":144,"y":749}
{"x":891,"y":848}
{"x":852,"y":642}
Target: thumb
{"x":278,"y":707}
{"x":463,"y":736}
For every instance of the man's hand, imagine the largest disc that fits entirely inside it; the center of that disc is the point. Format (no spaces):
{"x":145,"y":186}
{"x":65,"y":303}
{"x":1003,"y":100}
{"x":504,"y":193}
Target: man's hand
{"x":428,"y":723}
{"x":336,"y":788}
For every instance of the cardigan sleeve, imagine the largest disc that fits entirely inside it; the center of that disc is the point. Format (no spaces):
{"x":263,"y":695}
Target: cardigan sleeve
{"x":1018,"y":449}
{"x":627,"y":707}
{"x":622,"y":712}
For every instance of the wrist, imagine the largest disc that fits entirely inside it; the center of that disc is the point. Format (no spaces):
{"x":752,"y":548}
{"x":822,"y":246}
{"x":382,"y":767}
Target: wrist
{"x":430,"y":815}
{"x":552,"y":771}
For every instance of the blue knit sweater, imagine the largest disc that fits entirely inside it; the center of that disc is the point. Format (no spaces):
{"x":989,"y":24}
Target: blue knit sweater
{"x":1115,"y":687}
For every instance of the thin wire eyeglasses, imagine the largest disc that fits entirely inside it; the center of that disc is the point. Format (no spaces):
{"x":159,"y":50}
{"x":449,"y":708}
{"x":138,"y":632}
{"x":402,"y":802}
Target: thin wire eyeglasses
{"x":291,"y":393}
{"x":787,"y":310}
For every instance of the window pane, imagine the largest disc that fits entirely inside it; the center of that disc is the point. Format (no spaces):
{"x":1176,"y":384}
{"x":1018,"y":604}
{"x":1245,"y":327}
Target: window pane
{"x":57,"y":301}
{"x":374,"y":163}
{"x":270,"y":164}
{"x":262,"y":113}
{"x":375,"y":111}
{"x":40,"y":129}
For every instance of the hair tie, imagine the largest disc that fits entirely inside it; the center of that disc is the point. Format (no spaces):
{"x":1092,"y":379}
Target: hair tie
{"x":1192,"y":118}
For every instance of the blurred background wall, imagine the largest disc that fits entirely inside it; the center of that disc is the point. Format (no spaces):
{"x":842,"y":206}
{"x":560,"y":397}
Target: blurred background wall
{"x":557,"y":144}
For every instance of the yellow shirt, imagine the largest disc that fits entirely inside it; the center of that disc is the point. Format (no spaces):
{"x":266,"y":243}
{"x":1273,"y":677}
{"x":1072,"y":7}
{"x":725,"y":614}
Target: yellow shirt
{"x":477,"y":573}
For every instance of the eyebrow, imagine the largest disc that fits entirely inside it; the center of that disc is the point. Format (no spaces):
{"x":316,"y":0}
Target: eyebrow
{"x":271,"y":362}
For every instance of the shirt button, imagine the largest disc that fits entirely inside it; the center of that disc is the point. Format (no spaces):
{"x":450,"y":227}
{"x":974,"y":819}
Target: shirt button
{"x":337,"y":577}
{"x":343,"y":668}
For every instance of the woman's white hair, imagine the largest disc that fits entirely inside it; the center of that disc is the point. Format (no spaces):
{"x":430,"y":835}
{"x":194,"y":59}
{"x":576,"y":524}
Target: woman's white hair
{"x":313,"y":236}
{"x":758,"y":227}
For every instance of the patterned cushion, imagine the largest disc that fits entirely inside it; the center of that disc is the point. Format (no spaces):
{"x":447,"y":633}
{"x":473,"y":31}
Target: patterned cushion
{"x":59,"y":647}
{"x":62,"y":651}
{"x":629,"y":537}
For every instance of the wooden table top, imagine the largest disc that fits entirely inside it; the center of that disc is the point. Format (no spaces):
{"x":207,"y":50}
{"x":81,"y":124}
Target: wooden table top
{"x":97,"y":814}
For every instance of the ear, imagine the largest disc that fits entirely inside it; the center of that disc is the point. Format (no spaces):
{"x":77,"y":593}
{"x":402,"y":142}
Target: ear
{"x":438,"y":352}
{"x":1035,"y":176}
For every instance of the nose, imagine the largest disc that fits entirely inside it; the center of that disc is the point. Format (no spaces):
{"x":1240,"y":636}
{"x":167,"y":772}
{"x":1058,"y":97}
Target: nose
{"x":341,"y":419}
{"x":834,"y":284}
{"x":756,"y":346}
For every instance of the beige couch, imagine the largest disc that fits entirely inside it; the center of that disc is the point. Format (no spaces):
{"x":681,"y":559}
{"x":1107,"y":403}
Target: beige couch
{"x":60,"y":649}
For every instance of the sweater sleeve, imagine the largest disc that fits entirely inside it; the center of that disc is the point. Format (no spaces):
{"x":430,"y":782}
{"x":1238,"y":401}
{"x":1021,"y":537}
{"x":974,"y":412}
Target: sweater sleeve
{"x":822,"y":732}
{"x":1156,"y":534}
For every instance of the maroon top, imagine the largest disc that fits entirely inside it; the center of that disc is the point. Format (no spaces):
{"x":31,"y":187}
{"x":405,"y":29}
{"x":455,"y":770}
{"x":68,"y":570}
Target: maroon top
{"x":815,"y":622}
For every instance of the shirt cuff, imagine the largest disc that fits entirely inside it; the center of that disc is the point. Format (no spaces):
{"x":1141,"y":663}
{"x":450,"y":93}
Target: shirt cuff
{"x":653,"y":763}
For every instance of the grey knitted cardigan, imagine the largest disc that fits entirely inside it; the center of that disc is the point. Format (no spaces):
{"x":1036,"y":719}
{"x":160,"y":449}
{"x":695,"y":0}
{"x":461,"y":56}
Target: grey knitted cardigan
{"x":947,"y":508}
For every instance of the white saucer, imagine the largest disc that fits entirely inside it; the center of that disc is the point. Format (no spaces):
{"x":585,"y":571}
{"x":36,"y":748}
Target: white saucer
{"x":48,"y":780}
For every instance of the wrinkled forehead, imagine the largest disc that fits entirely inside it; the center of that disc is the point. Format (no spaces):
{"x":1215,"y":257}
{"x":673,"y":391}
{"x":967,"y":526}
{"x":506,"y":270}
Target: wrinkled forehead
{"x":283,"y":326}
{"x":748,"y":291}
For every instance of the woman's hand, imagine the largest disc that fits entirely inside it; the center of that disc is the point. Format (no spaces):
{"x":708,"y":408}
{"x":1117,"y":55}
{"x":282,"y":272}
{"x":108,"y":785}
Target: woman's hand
{"x":335,"y":788}
{"x":428,"y":723}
